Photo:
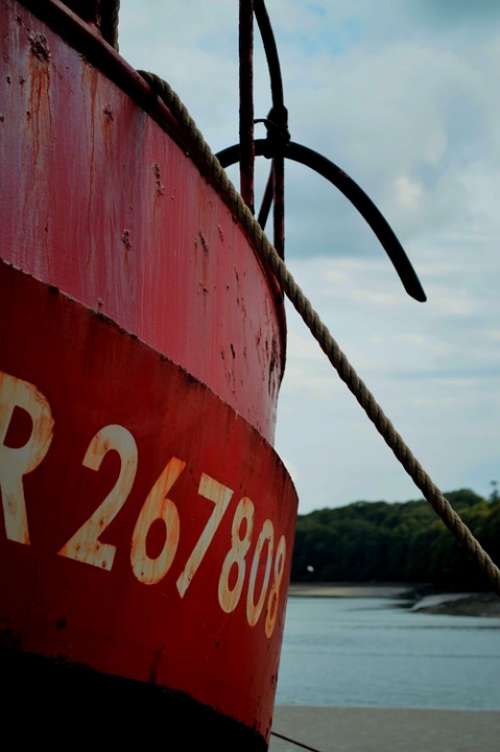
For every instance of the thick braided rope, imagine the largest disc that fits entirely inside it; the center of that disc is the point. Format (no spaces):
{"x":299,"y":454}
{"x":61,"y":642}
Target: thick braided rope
{"x":211,"y":168}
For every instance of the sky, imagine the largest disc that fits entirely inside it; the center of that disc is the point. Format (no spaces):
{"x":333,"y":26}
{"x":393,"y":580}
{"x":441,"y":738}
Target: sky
{"x":404,"y":96}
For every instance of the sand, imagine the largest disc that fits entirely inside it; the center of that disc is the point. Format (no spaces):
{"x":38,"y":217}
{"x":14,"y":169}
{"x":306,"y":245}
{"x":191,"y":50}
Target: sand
{"x":377,"y":730}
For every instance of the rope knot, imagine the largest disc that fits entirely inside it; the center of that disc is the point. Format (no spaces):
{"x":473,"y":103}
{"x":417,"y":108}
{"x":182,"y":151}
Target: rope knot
{"x":278,"y":135}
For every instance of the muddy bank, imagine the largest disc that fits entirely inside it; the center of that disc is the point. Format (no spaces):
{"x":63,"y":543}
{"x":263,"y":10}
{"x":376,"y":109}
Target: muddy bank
{"x":460,"y":604}
{"x":453,"y":604}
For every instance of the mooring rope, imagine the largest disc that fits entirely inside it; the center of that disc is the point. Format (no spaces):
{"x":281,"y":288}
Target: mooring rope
{"x":294,"y":741}
{"x":211,"y":168}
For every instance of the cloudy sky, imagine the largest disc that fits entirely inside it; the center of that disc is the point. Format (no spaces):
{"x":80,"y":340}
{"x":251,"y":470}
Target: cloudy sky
{"x":405,"y":96}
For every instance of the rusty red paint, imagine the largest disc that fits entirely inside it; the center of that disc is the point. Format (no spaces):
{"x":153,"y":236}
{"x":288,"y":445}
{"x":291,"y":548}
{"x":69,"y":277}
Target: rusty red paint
{"x":150,"y":340}
{"x":114,"y":622}
{"x":110,"y":210}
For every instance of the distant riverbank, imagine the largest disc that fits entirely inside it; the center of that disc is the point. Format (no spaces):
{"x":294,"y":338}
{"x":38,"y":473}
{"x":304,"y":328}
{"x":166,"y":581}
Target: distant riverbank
{"x":454,"y":604}
{"x":460,"y":604}
{"x":348,"y":590}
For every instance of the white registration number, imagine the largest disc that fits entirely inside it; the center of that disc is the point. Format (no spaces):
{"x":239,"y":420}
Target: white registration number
{"x":86,"y":546}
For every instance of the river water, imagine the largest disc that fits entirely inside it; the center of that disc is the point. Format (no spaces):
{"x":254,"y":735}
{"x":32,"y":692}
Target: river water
{"x":371,"y":652}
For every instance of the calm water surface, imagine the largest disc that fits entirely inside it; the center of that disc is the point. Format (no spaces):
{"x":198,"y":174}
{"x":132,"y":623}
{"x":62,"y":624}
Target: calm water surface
{"x":370,"y":652}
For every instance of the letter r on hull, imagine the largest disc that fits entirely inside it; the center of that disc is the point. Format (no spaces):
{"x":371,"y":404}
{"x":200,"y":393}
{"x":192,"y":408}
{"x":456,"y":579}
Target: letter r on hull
{"x":15,"y":462}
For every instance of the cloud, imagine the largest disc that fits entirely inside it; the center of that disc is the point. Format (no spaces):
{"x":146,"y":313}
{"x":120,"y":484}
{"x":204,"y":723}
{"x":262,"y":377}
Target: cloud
{"x":384,"y":90}
{"x":404,"y":97}
{"x":408,"y":193}
{"x":458,"y":13}
{"x":436,"y":379}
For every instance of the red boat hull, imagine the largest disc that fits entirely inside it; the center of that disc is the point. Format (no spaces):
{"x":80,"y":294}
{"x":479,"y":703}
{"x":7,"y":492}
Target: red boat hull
{"x":146,"y":523}
{"x":147,"y":529}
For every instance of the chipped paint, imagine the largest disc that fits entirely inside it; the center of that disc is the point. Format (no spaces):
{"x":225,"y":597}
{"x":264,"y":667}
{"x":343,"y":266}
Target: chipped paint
{"x":126,"y":239}
{"x":39,"y":46}
{"x":160,"y":188}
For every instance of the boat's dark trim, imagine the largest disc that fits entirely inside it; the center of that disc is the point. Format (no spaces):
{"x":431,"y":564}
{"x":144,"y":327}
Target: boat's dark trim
{"x":59,"y":701}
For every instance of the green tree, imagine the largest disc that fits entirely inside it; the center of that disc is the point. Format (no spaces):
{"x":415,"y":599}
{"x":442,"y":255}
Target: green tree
{"x":399,"y":542}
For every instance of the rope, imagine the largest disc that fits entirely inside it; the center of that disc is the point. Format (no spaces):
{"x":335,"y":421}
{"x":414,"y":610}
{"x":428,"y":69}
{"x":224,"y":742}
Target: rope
{"x":294,"y":741}
{"x":211,"y":168}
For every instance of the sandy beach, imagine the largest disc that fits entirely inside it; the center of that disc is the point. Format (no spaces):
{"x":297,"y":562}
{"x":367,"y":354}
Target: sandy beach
{"x":377,"y":730}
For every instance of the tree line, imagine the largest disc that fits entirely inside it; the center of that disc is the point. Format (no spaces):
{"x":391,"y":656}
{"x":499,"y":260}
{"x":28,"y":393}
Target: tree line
{"x":394,"y":542}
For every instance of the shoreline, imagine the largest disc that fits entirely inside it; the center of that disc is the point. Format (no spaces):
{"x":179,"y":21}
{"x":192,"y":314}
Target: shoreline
{"x":350,"y":590}
{"x":460,"y":604}
{"x":446,"y":603}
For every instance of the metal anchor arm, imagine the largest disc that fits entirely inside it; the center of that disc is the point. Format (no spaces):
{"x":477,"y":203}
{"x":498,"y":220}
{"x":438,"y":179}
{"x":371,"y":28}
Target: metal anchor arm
{"x":352,"y":191}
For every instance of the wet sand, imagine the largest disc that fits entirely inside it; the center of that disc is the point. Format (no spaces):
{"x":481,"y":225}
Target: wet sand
{"x":378,"y":730}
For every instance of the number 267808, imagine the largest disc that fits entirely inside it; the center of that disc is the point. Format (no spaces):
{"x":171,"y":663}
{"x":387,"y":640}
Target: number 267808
{"x":85,"y":545}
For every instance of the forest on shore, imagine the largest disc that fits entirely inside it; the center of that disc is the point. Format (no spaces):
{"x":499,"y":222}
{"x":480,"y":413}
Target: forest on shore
{"x":395,"y":542}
